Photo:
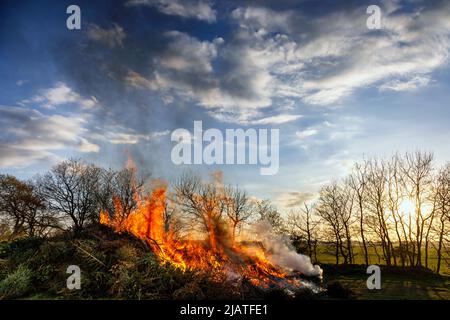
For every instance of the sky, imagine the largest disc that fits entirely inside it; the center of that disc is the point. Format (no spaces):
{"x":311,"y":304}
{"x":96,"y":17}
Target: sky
{"x":139,"y":69}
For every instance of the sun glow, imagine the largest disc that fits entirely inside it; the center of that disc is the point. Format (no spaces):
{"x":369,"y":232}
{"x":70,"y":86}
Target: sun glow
{"x":407,"y":206}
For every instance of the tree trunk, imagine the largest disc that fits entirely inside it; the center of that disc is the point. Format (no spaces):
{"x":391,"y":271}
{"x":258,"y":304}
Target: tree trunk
{"x":337,"y":250}
{"x":439,"y":251}
{"x":366,"y":254}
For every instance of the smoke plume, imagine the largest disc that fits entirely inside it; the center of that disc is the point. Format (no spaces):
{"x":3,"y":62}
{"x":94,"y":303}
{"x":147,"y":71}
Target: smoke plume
{"x":281,"y":253}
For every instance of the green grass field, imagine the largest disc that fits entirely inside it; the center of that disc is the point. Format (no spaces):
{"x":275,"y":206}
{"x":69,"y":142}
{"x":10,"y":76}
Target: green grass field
{"x":325,"y":255}
{"x":396,"y":282}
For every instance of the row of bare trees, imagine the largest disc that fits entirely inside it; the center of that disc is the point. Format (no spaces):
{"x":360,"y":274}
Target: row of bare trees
{"x":73,"y":192}
{"x":69,"y":196}
{"x":397,"y":208}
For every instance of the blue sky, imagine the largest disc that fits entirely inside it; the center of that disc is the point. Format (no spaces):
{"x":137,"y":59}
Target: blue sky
{"x":137,"y":70}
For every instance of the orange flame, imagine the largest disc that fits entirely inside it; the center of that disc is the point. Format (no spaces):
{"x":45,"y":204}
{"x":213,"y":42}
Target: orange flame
{"x":147,"y":222}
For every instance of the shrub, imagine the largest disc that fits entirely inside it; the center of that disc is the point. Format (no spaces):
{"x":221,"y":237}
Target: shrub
{"x":22,"y":250}
{"x":4,"y":246}
{"x":127,"y":252}
{"x":16,"y":284}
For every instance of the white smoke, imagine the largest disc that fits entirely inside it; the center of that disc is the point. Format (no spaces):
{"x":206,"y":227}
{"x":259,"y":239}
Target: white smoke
{"x":281,"y":253}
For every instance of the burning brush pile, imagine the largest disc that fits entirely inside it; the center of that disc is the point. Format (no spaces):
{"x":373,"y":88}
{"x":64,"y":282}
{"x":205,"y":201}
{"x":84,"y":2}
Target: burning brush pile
{"x":210,"y":245}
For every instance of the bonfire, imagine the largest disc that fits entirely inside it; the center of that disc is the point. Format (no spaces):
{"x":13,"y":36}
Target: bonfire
{"x":218,"y":254}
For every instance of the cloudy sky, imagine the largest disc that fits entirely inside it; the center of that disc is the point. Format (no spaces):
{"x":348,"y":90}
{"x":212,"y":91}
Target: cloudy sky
{"x":139,"y":69}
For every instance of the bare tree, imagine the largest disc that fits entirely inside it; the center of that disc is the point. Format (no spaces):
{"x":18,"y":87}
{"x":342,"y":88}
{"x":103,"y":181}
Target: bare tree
{"x":395,"y":195}
{"x":442,"y":209}
{"x":266,"y":211}
{"x":70,"y":189}
{"x":23,"y":206}
{"x":238,"y":208}
{"x":348,"y":198}
{"x":204,"y":203}
{"x":118,"y":191}
{"x":304,"y":224}
{"x":330,"y":209}
{"x":358,"y":183}
{"x":377,"y":204}
{"x":173,"y":222}
{"x":417,"y":172}
{"x":12,"y":205}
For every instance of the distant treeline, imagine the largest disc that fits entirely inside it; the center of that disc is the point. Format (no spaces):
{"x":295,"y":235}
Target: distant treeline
{"x":398,"y":208}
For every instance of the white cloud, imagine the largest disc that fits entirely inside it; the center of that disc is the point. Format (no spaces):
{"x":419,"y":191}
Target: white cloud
{"x":197,"y":9}
{"x":185,"y":67}
{"x":85,"y":146}
{"x":136,"y":80}
{"x":167,"y":99}
{"x":117,"y":135}
{"x":326,"y":136}
{"x":186,"y":53}
{"x":261,"y":19}
{"x":306,"y":133}
{"x":11,"y":157}
{"x":408,"y":85}
{"x":278,"y":119}
{"x":58,"y":95}
{"x":112,"y":37}
{"x":21,"y":82}
{"x":323,"y":59}
{"x":29,"y":135}
{"x":294,"y":199}
{"x":276,"y":56}
{"x":253,"y":117}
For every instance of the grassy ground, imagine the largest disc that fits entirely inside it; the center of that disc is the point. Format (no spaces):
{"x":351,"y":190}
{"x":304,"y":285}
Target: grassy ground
{"x":121,"y":267}
{"x":396,"y":282}
{"x":325,"y":255}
